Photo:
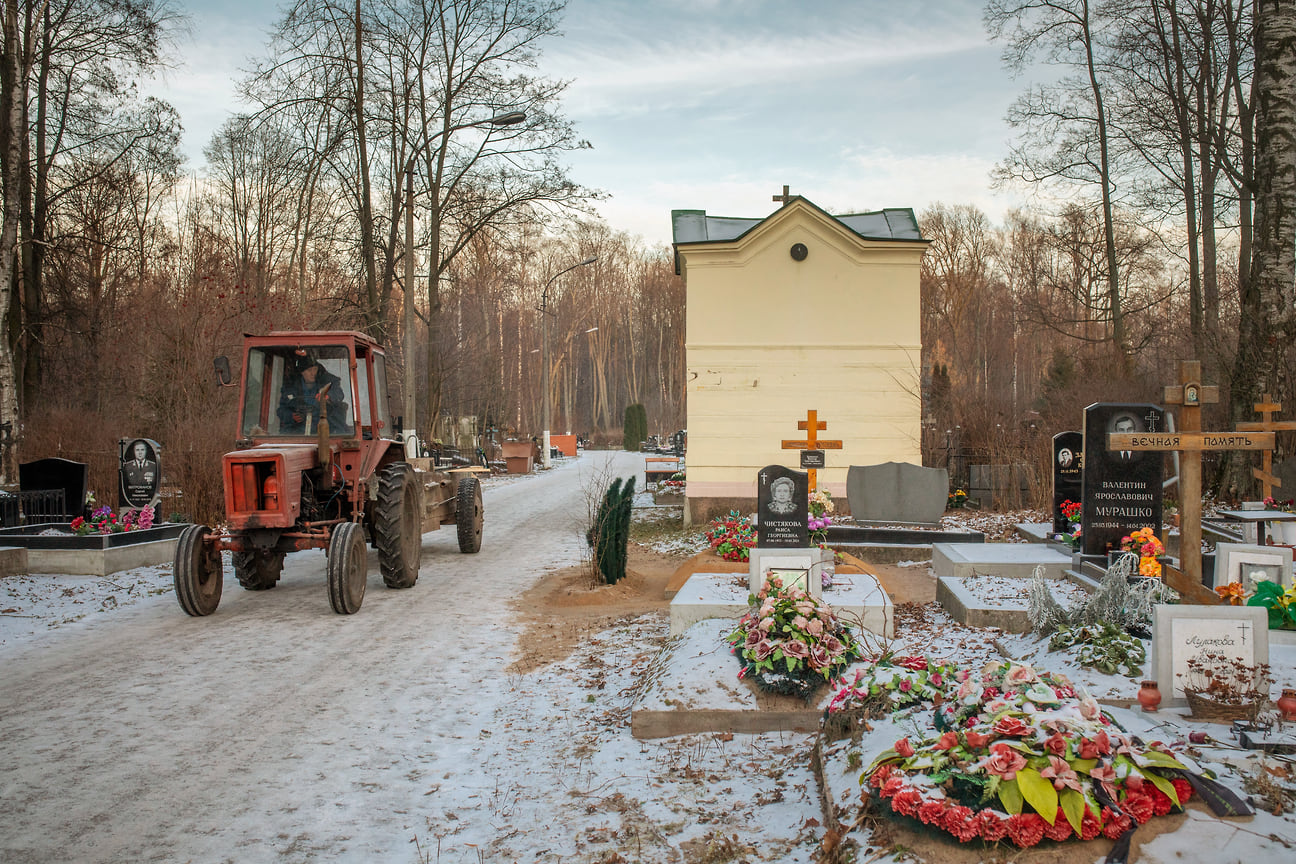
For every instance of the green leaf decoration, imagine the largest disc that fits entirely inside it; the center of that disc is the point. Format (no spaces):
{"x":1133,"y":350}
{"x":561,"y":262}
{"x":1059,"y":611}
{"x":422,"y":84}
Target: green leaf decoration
{"x":1073,"y":805}
{"x":1083,"y":766}
{"x":1166,"y":787}
{"x":1010,"y":796}
{"x":1157,"y":759}
{"x":1038,"y":793}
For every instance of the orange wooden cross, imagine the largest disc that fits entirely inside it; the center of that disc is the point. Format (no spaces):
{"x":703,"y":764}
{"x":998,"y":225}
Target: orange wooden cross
{"x":1266,"y":408}
{"x":812,"y":425}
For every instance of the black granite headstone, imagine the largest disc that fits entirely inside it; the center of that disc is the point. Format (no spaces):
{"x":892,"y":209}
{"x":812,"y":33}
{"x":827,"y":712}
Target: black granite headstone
{"x":782,"y":508}
{"x":1122,"y":489}
{"x":140,"y":472}
{"x":1068,"y":471}
{"x":72,"y":478}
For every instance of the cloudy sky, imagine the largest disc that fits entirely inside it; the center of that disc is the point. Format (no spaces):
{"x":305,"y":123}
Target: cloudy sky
{"x":715,"y":104}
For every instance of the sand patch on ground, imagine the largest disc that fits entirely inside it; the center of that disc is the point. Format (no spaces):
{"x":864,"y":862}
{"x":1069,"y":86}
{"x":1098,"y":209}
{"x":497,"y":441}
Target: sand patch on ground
{"x":566,"y":605}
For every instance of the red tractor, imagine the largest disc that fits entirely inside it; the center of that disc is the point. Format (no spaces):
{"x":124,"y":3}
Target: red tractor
{"x":318,"y":468}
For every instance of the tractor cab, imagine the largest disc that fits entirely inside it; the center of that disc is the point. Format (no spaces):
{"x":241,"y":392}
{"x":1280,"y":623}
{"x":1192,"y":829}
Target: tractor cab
{"x":293,"y":381}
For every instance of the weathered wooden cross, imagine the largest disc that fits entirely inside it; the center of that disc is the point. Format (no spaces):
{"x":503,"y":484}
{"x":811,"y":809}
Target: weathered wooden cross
{"x":812,"y":425}
{"x":1266,"y":408}
{"x":1190,"y":394}
{"x":786,"y":197}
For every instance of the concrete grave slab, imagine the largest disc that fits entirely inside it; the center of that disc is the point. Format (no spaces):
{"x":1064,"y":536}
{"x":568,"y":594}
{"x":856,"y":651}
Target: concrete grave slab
{"x":998,"y":559}
{"x":13,"y":561}
{"x":897,"y":491}
{"x":858,"y":599}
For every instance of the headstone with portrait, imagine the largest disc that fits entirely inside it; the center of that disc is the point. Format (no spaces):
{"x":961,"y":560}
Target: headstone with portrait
{"x":1121,"y":489}
{"x":783,"y":532}
{"x":1068,"y":472}
{"x":139,"y":473}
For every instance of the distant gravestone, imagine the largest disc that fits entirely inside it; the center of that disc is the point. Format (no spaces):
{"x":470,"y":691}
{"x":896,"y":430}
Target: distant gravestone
{"x":1121,"y":489}
{"x":782,"y":508}
{"x":1068,"y":473}
{"x":53,"y":475}
{"x":1286,"y":472}
{"x":139,"y":473}
{"x":897,"y":492}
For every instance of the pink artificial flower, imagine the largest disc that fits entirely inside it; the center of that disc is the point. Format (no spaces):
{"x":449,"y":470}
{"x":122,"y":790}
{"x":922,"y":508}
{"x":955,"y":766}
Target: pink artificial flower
{"x":815,"y":627}
{"x":1021,"y":675}
{"x":1061,"y":774}
{"x":799,"y":622}
{"x":917,"y":663}
{"x":796,"y":648}
{"x":1056,"y":744}
{"x":1005,"y":762}
{"x":819,"y":658}
{"x":763,"y":650}
{"x":1012,"y":726}
{"x":905,"y":685}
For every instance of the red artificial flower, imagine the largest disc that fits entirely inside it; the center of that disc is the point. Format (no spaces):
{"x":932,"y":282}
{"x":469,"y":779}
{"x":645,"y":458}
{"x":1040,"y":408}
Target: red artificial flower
{"x":1056,"y":744}
{"x":880,"y":776}
{"x":992,"y":828}
{"x":948,"y":741}
{"x":1183,"y":789}
{"x":1011,"y":726}
{"x":1087,"y":749}
{"x":906,"y":801}
{"x":976,"y":740}
{"x":904,"y":748}
{"x":961,"y":822}
{"x":1026,"y":829}
{"x":932,"y":812}
{"x":1103,"y":743}
{"x":1090,"y":826}
{"x":1161,"y":803}
{"x":1060,"y":829}
{"x":1114,"y":824}
{"x":1005,"y":762}
{"x":1139,"y":806}
{"x":990,"y":693}
{"x":892,"y":786}
{"x":917,"y":663}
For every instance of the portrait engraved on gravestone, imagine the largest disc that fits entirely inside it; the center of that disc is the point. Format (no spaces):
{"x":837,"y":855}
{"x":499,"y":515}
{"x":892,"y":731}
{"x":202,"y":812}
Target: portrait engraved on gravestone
{"x":1068,"y":469}
{"x":782,"y":508}
{"x":140,"y":473}
{"x":1121,"y":489}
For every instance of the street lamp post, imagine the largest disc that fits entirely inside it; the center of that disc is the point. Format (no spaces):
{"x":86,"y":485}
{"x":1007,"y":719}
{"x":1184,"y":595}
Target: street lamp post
{"x":544,"y":352}
{"x":410,"y":434}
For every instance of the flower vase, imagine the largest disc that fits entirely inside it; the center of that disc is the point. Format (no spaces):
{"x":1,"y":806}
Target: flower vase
{"x":1287,"y":704}
{"x":1285,"y":532}
{"x":1149,"y":696}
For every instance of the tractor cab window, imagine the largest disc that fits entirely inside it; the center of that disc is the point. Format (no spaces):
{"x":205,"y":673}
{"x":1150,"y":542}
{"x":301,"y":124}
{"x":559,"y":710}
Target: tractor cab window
{"x":289,"y":389}
{"x":373,"y":410}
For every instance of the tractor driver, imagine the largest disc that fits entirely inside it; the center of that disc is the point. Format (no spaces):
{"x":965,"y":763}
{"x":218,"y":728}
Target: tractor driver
{"x":301,"y":398}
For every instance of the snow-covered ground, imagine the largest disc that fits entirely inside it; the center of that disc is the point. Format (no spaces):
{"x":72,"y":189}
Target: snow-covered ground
{"x":275,"y":730}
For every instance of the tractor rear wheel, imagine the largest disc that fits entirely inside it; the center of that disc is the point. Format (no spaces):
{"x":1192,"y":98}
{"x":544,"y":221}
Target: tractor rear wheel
{"x":469,"y":515}
{"x":197,"y":572}
{"x":397,"y":526}
{"x":348,"y":568}
{"x":257,"y":570}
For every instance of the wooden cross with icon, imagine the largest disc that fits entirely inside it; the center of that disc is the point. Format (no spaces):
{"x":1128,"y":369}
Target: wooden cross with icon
{"x":1266,"y":408}
{"x":1190,"y":394}
{"x":786,"y":198}
{"x":812,"y":444}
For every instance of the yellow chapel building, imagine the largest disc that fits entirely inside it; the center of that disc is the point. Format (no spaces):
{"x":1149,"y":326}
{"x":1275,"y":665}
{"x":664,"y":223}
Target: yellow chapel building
{"x":801,"y":310}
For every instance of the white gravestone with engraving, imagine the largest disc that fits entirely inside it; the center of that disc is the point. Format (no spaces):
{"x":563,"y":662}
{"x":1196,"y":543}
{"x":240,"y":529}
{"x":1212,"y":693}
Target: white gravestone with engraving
{"x":1182,"y":632}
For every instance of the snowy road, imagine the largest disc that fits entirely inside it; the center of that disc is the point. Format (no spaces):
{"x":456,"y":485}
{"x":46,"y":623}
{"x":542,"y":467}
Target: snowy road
{"x":275,"y":730}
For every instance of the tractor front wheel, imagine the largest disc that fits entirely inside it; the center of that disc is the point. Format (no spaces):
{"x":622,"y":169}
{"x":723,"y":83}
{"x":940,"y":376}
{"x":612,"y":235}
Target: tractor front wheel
{"x":348,"y":568}
{"x":257,"y":571}
{"x":397,"y":526}
{"x":469,"y":515}
{"x":198,"y":574}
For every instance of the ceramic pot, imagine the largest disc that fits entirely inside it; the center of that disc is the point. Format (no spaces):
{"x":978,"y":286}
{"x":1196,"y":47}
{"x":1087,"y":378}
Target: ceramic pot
{"x":1149,"y":696}
{"x":1287,"y":704}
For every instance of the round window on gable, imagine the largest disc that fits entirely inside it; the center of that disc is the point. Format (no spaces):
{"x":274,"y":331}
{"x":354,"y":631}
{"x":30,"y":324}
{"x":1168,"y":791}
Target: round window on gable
{"x":799,"y":251}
